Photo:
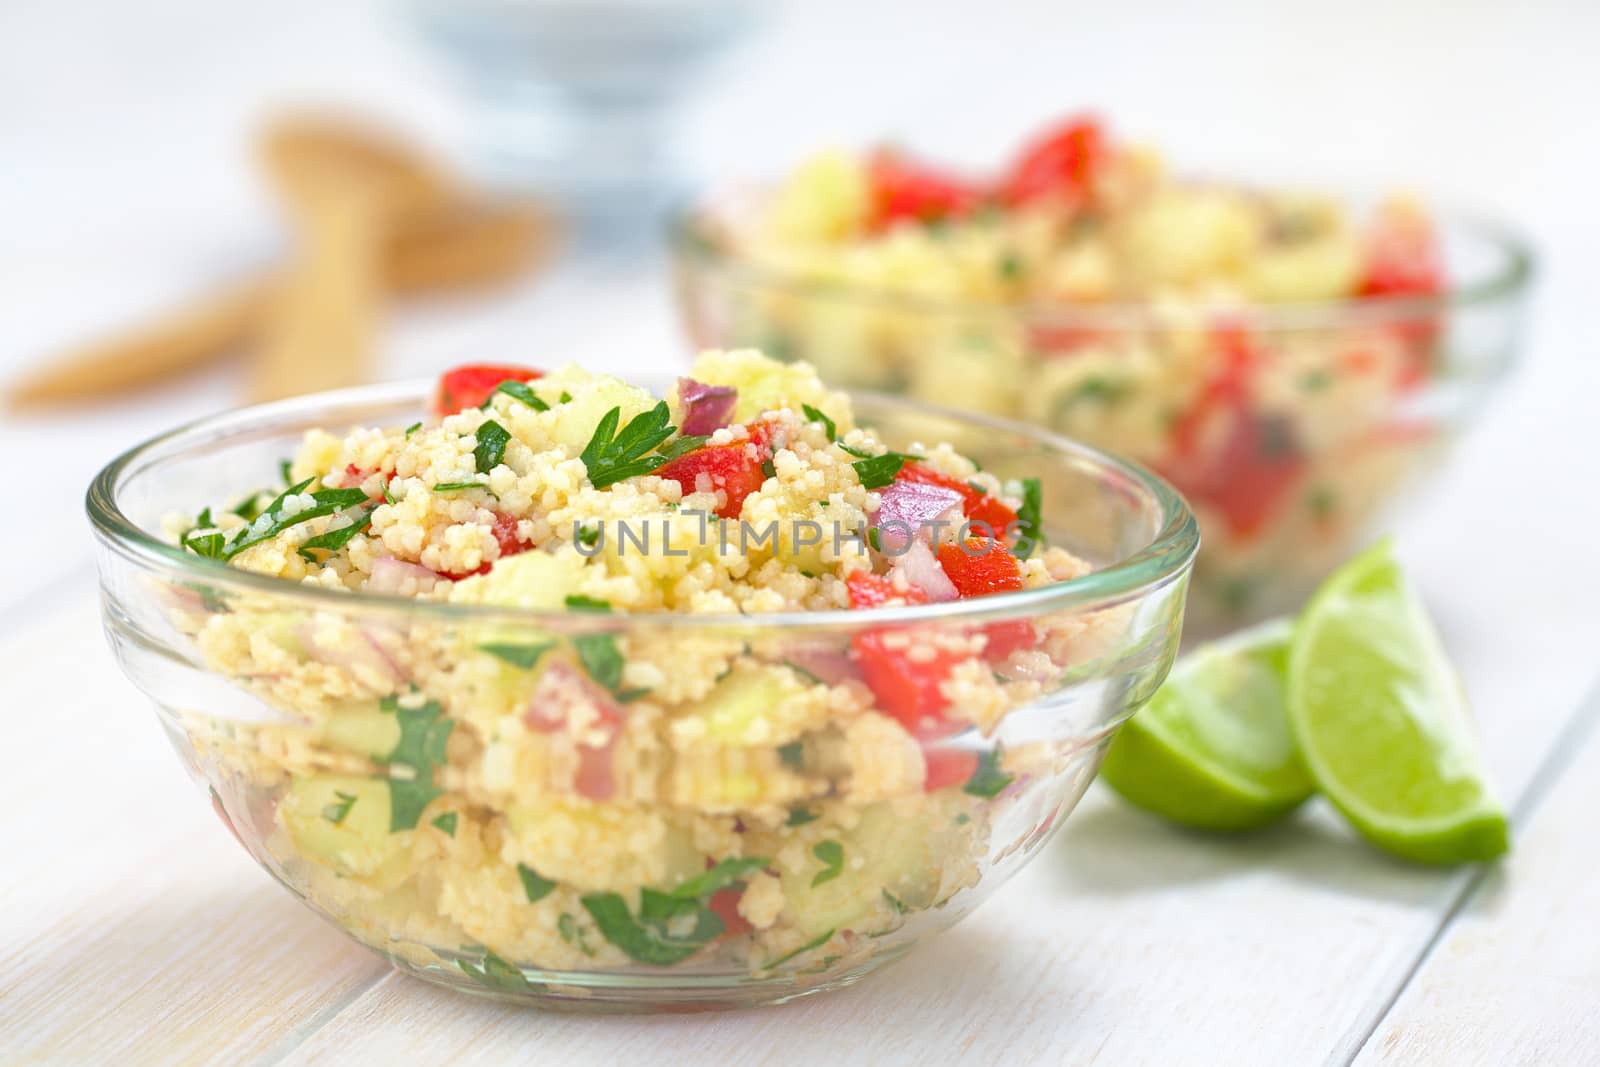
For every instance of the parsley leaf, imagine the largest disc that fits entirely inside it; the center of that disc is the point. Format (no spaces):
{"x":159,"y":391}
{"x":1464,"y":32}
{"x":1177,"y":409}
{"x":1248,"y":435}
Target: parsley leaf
{"x":768,"y":469}
{"x":496,"y":973}
{"x":1030,"y":534}
{"x":612,"y":455}
{"x":578,"y":602}
{"x":519,"y":391}
{"x":860,"y":452}
{"x":524,"y":656}
{"x":447,"y":823}
{"x":670,"y":926}
{"x":337,"y":813}
{"x":816,"y":415}
{"x":534,"y":884}
{"x":645,"y":943}
{"x":816,"y":942}
{"x":879,"y":471}
{"x":492,"y":438}
{"x":587,"y":536}
{"x":600,"y":658}
{"x":286,"y":471}
{"x":424,"y":732}
{"x":988,"y":779}
{"x":799,"y":817}
{"x":333,"y":540}
{"x":413,"y":428}
{"x":278,"y":518}
{"x":718,"y":877}
{"x":248,"y":508}
{"x":792,"y":754}
{"x":681,"y":445}
{"x":831,"y":855}
{"x":451,"y":487}
{"x":565,"y":397}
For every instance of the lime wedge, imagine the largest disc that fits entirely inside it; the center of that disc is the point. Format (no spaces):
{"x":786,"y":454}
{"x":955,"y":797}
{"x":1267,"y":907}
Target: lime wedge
{"x":1382,"y":720}
{"x":1213,"y":748}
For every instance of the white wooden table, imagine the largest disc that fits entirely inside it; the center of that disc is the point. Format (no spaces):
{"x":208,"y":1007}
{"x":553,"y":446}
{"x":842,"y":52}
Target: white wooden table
{"x":133,"y":930}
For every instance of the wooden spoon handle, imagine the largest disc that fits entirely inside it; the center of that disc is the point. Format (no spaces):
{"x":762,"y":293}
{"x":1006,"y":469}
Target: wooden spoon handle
{"x":321,"y":332}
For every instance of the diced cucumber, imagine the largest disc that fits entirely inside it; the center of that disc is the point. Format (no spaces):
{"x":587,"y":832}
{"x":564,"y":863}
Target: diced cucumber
{"x":893,"y":854}
{"x":367,"y":732}
{"x":738,"y":703}
{"x":576,"y":420}
{"x":349,"y":835}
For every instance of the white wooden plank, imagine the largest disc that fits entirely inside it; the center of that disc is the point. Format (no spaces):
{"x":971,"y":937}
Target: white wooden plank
{"x":1515,"y":979}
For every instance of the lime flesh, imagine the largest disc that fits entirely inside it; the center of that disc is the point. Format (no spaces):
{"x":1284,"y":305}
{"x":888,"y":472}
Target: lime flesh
{"x":1382,"y":721}
{"x":1213,"y":749}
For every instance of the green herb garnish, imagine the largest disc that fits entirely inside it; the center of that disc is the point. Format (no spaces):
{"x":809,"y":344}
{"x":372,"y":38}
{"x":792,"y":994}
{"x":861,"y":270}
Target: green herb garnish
{"x":816,"y":415}
{"x":1029,"y":535}
{"x":333,"y":540}
{"x":579,"y":602}
{"x":768,"y":469}
{"x":611,"y":456}
{"x":988,"y":779}
{"x":524,"y":656}
{"x":587,"y":536}
{"x":600,"y":658}
{"x":879,"y":471}
{"x":816,"y":942}
{"x":424,"y":732}
{"x":565,"y":397}
{"x":518,"y":391}
{"x":1011,"y":266}
{"x":286,"y":471}
{"x":681,"y":445}
{"x":446,"y":823}
{"x":451,"y":487}
{"x":496,"y":973}
{"x":492,"y":438}
{"x":831,"y":855}
{"x":671,"y":926}
{"x":413,"y":428}
{"x":792,"y":754}
{"x":572,"y":933}
{"x":800,"y":816}
{"x":337,"y":813}
{"x":248,"y":508}
{"x":534,"y":884}
{"x":895,"y":902}
{"x":859,"y":452}
{"x":323,"y":502}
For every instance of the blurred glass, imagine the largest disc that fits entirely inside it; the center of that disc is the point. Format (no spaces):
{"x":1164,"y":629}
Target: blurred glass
{"x":576,"y":99}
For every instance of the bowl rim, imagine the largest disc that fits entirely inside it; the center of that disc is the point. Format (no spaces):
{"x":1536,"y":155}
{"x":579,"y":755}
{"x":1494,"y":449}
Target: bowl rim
{"x":1166,"y":558}
{"x":690,"y":239}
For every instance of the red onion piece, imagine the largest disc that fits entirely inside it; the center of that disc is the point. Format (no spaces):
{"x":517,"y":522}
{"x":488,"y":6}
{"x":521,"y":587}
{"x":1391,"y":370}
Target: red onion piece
{"x":396,"y":577}
{"x":706,"y":408}
{"x":354,"y":652}
{"x":922,"y":571}
{"x":830,"y":666}
{"x":567,"y":701}
{"x":909,"y":508}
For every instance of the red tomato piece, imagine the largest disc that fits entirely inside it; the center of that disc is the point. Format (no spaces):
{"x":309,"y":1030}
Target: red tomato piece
{"x":1249,"y":476}
{"x":1061,"y":162}
{"x":733,"y":469}
{"x":990,"y":568}
{"x":906,"y":688}
{"x":979,"y":567}
{"x":724,"y":903}
{"x":905,"y":189}
{"x":868,"y":590}
{"x":471,"y":385}
{"x":505,"y":535}
{"x":947,"y":767}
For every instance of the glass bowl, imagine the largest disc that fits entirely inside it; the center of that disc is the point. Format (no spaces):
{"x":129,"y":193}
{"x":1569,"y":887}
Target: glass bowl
{"x":1287,"y":426}
{"x":377,"y":755}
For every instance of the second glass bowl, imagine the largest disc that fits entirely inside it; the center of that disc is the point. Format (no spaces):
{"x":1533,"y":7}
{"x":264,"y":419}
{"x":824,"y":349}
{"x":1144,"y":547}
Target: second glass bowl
{"x":1287,"y":426}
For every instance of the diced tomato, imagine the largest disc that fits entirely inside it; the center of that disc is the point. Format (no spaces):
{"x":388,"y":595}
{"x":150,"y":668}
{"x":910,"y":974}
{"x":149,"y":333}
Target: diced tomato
{"x":979,"y":567}
{"x":505,"y":535}
{"x":724,"y":903}
{"x":983,"y":567}
{"x":905,"y":189}
{"x":1249,"y":476}
{"x":733,"y":469}
{"x":471,"y":385}
{"x":1062,"y":162}
{"x":977,"y":505}
{"x":868,"y":590}
{"x":947,"y":767}
{"x":594,"y":779}
{"x":1054,"y":341}
{"x":1402,"y":261}
{"x":906,"y":688}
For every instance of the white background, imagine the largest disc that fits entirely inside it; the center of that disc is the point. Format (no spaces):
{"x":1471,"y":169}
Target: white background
{"x":127,"y":919}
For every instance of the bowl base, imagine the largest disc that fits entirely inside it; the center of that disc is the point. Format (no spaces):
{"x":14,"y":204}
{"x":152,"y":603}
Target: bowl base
{"x":619,"y":994}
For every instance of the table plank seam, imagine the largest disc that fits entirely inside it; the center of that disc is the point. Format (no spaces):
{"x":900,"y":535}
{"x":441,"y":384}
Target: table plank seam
{"x":303,"y":1032}
{"x":1565,"y":746}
